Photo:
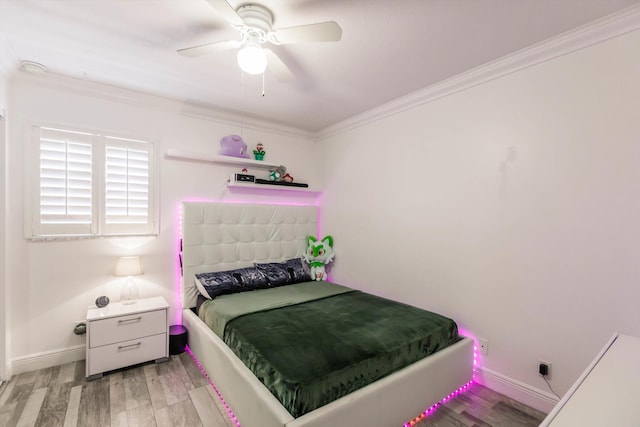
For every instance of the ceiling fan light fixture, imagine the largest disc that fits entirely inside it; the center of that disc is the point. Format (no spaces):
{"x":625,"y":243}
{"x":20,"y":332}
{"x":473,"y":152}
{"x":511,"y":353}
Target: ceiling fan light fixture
{"x":252,"y":59}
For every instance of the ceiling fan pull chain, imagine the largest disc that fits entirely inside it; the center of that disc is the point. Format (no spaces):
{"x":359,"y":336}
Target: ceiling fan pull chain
{"x":263,"y":83}
{"x":241,"y":103}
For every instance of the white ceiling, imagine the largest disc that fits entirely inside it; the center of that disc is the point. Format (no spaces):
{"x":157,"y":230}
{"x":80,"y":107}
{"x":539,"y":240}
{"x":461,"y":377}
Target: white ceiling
{"x":388,"y":48}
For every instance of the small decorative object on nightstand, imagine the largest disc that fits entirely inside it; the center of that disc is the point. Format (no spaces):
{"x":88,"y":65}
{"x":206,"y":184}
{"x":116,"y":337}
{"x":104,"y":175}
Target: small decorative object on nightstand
{"x":129,"y":266}
{"x":102,"y":301}
{"x":122,"y":335}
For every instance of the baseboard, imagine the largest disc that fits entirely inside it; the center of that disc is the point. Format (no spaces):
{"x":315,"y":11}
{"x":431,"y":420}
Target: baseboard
{"x":531,"y":396}
{"x":47,"y":359}
{"x":524,"y":393}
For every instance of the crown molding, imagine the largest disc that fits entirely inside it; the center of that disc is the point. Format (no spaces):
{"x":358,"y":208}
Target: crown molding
{"x":236,"y":119}
{"x":94,"y":89}
{"x":611,"y":26}
{"x":158,"y":103}
{"x":6,"y":54}
{"x":8,"y":61}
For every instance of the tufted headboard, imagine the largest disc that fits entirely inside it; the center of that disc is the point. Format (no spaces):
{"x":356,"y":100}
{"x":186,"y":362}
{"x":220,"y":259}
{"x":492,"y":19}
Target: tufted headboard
{"x":224,"y":236}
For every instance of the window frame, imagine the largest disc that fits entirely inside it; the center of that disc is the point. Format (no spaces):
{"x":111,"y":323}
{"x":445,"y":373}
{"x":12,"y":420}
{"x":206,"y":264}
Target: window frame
{"x":34,"y":229}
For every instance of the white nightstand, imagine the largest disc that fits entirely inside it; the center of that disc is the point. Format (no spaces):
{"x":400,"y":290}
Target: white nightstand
{"x":121,"y":335}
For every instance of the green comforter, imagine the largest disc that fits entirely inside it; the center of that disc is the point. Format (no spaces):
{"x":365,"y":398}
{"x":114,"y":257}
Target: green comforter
{"x":311,"y":350}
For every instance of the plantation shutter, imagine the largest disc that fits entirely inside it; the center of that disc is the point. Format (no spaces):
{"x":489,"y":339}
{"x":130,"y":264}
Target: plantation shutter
{"x":89,"y":184}
{"x":65,"y":193}
{"x":127,"y":186}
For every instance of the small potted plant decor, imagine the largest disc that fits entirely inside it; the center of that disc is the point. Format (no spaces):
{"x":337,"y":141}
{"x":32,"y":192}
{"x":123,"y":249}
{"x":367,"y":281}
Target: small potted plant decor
{"x":259,"y":152}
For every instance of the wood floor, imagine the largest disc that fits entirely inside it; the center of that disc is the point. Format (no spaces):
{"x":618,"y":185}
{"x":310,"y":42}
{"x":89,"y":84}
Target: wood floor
{"x":176,"y":393}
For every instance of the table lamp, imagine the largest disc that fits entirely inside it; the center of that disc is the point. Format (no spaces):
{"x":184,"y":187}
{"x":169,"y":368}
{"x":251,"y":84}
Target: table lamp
{"x":128,"y":266}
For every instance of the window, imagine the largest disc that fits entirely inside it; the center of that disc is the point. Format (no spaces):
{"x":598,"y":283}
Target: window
{"x":90,"y":184}
{"x":126,"y":184}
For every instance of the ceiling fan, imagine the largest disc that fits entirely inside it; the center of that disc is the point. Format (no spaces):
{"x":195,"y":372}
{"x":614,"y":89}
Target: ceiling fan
{"x":254,"y":22}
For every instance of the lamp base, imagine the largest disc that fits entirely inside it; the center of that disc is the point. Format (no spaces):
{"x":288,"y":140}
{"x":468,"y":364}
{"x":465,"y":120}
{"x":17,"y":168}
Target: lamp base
{"x":129,"y":293}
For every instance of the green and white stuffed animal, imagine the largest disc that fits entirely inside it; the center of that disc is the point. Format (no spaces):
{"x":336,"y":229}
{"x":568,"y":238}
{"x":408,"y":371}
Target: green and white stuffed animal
{"x":317,"y":255}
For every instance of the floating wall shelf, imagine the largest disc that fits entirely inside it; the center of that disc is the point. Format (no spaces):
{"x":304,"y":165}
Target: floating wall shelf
{"x":227,"y":160}
{"x":238,"y":161}
{"x":252,"y":186}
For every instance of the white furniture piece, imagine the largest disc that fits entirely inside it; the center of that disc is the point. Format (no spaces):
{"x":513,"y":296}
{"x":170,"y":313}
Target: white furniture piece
{"x":218,"y":237}
{"x":121,"y":335}
{"x":240,"y":162}
{"x":215,"y":158}
{"x":605,"y":393}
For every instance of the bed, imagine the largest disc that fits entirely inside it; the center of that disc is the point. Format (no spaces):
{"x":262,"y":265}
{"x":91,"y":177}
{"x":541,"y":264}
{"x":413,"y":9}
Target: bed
{"x":220,"y":237}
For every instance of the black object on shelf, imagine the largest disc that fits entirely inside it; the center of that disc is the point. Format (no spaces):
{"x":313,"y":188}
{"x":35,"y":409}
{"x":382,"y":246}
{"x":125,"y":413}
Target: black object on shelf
{"x":178,"y":339}
{"x":243,"y":177}
{"x":283,"y":183}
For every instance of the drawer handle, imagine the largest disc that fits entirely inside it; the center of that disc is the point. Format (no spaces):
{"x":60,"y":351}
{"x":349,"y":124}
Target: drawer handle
{"x":134,"y":319}
{"x":125,"y":347}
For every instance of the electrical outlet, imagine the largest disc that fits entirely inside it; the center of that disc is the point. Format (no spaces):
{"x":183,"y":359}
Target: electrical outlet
{"x":541,"y":366}
{"x":484,"y":346}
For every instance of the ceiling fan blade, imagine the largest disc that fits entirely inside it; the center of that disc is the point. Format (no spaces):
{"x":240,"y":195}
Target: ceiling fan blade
{"x":321,"y":32}
{"x":206,"y":48}
{"x":227,"y":11}
{"x":277,"y":67}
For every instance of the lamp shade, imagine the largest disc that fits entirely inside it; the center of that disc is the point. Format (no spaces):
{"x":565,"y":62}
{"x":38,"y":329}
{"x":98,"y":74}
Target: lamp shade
{"x":252,"y":59}
{"x":128,"y":266}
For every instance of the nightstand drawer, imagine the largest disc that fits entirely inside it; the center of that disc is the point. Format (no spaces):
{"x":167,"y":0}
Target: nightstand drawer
{"x":124,"y":328}
{"x":126,"y":353}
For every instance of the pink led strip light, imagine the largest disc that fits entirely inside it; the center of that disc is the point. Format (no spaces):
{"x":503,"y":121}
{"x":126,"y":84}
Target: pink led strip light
{"x":436,"y":405}
{"x":462,"y":389}
{"x":413,"y":422}
{"x":224,"y":402}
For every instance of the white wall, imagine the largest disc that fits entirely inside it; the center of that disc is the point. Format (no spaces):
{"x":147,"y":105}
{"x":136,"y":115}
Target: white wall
{"x":3,"y":170}
{"x":512,"y":206}
{"x":52,"y":283}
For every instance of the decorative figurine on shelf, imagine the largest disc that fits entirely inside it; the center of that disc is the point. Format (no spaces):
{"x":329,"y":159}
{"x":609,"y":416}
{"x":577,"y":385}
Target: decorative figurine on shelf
{"x":259,"y":151}
{"x":317,"y":255}
{"x":233,"y":145}
{"x":287,"y":178}
{"x":277,"y":174}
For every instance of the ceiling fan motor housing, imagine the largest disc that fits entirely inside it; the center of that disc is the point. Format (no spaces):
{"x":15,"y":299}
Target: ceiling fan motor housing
{"x":258,"y":21}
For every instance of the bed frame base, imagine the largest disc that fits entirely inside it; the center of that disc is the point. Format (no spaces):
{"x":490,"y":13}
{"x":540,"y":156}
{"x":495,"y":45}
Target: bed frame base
{"x":391,"y":401}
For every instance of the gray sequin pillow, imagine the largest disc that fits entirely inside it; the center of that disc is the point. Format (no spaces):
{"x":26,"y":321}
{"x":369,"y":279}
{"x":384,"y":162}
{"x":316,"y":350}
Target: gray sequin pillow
{"x":232,"y":281}
{"x":284,"y":273}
